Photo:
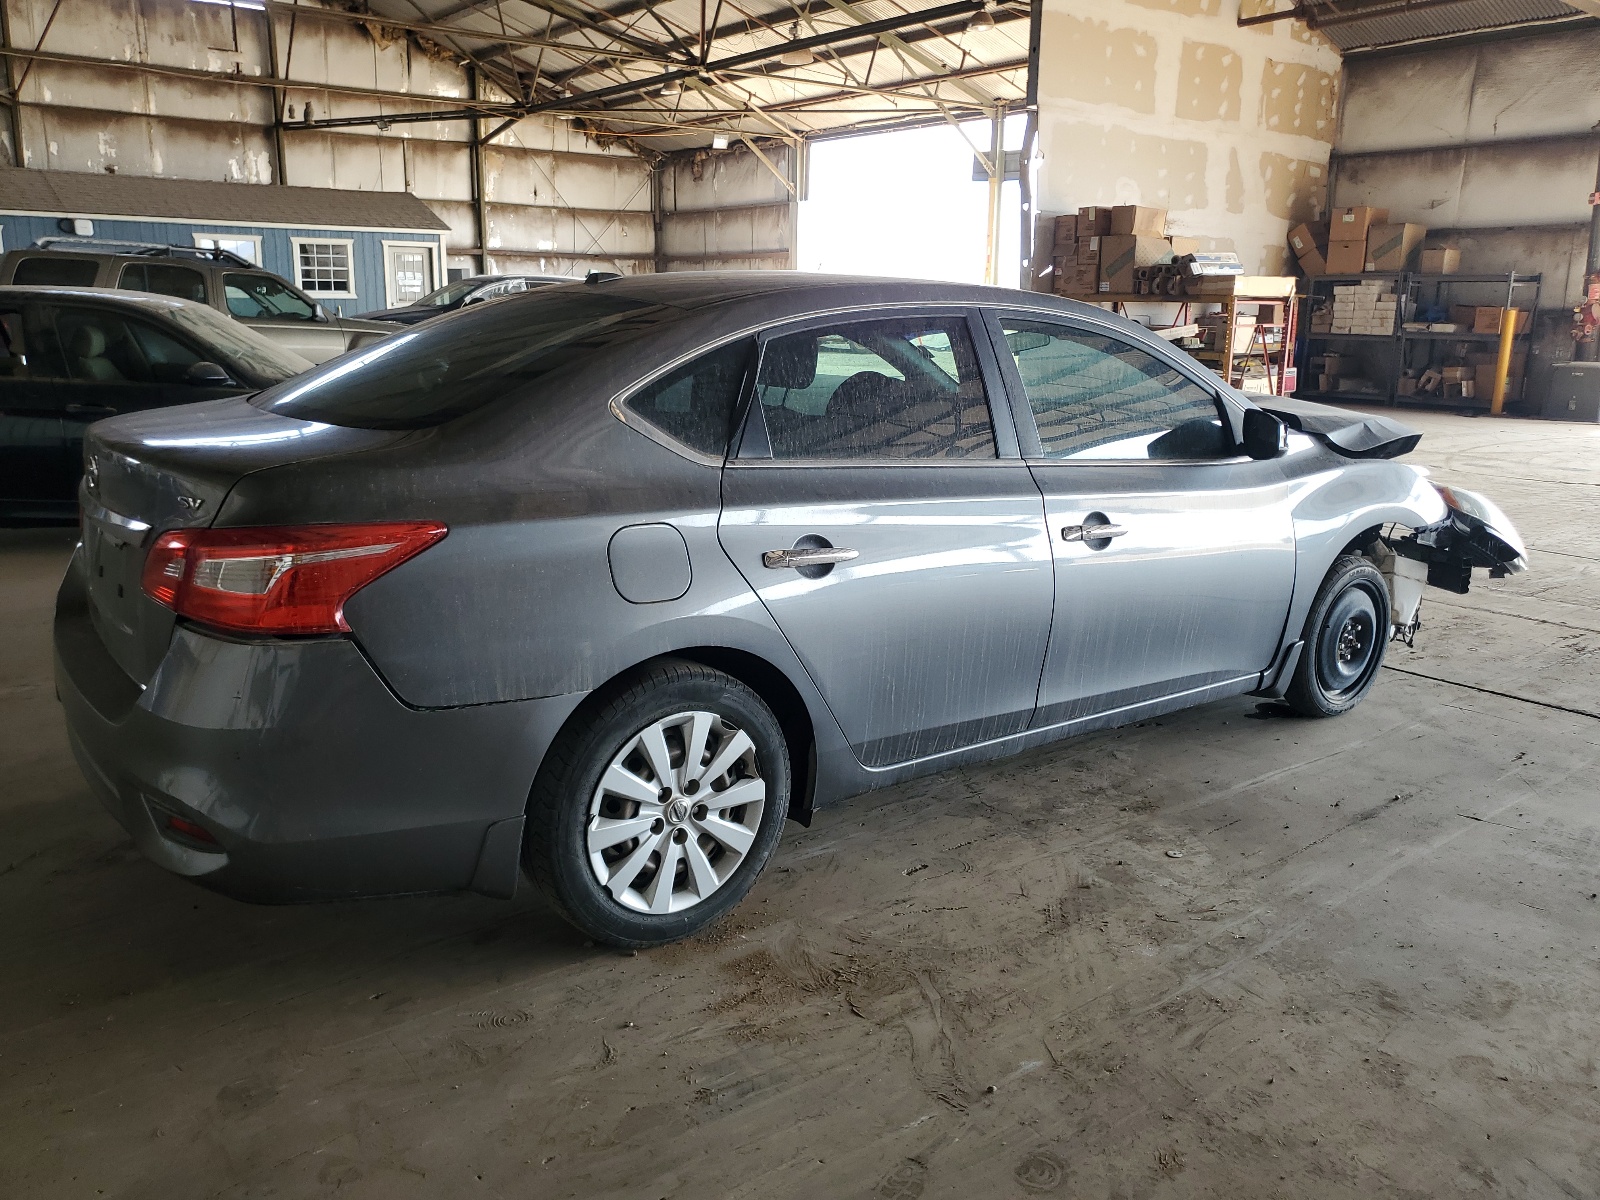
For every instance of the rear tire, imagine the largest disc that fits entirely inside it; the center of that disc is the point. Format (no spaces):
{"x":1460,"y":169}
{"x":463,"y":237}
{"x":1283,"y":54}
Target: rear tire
{"x":1346,"y":634}
{"x":654,"y":813}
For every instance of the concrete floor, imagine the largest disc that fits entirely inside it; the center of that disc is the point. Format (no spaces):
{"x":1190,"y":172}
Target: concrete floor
{"x":1374,"y":971}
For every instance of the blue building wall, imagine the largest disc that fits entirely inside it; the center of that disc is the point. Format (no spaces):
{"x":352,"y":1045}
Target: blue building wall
{"x":277,"y":251}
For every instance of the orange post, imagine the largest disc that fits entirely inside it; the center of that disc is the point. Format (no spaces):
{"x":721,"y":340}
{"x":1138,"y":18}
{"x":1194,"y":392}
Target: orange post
{"x":1502,"y":366}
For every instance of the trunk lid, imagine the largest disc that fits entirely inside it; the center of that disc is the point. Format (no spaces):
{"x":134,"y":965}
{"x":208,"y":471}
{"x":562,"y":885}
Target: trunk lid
{"x":163,"y":469}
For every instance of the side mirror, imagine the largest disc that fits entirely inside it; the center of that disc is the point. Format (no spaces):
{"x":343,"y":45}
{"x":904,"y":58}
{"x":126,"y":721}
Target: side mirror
{"x":1264,"y":435}
{"x":318,"y":313}
{"x":207,"y":374}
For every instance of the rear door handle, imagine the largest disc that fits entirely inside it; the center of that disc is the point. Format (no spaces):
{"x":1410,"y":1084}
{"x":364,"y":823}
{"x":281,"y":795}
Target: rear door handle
{"x":808,"y":556}
{"x":1091,"y":533}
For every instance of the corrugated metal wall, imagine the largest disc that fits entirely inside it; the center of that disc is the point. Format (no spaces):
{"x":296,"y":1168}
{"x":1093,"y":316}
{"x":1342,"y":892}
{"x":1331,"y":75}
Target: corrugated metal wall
{"x":727,"y":209}
{"x":557,"y":200}
{"x":1491,"y":146}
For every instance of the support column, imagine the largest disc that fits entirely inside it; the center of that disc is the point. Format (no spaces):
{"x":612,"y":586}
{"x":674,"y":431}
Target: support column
{"x":19,"y":157}
{"x":480,"y":200}
{"x":279,"y":169}
{"x":997,"y":175}
{"x":658,"y":211}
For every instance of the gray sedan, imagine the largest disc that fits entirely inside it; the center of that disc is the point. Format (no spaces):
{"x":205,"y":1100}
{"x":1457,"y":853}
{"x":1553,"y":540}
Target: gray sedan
{"x":605,"y":582}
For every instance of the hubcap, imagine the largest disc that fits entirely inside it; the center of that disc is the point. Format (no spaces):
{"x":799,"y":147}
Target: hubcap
{"x":651,"y":846}
{"x":1349,"y":645}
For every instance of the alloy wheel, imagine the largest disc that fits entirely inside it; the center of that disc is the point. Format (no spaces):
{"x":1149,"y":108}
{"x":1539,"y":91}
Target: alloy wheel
{"x":675,"y":813}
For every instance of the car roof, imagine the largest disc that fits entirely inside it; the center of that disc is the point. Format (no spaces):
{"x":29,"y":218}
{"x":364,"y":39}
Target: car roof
{"x":804,"y":290}
{"x":148,"y":300}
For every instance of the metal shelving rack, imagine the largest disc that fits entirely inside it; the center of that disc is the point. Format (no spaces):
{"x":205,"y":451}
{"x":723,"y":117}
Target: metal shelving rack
{"x":1409,"y":285}
{"x":1276,"y":358}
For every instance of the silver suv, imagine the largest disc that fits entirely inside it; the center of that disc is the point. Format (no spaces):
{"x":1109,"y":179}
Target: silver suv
{"x":265,"y":302}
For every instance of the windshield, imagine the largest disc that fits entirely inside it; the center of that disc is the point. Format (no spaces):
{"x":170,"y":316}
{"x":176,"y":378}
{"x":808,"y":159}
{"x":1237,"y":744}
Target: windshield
{"x":246,"y":348}
{"x":453,"y":365}
{"x":449,"y":294}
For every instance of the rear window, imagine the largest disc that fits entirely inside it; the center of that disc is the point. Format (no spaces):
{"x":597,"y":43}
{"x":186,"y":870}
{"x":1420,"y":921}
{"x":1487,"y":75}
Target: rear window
{"x":454,"y":365}
{"x":56,"y":270}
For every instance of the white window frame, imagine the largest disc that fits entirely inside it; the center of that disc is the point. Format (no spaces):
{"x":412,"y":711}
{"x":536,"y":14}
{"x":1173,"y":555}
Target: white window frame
{"x":218,"y":235}
{"x":432,"y":247}
{"x":349,"y":245}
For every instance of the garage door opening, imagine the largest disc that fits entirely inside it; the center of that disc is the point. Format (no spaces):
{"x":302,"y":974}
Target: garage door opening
{"x":905,"y":205}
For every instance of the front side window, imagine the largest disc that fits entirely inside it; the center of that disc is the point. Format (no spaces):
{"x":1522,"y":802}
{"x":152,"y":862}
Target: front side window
{"x":56,"y":270}
{"x":101,"y":346}
{"x":903,"y":388}
{"x":696,"y":402}
{"x":256,"y":297}
{"x":324,"y":267}
{"x":1097,"y":397}
{"x":164,"y":279}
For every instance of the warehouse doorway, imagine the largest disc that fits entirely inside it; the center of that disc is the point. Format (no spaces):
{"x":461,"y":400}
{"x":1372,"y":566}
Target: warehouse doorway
{"x":905,"y":204}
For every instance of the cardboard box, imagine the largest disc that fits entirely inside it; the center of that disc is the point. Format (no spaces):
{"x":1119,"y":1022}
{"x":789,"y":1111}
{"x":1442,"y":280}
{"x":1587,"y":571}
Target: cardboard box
{"x":1089,"y":249}
{"x":1134,"y":220}
{"x":1347,"y":258}
{"x":1121,"y":255}
{"x":1184,"y":245}
{"x":1066,"y":232}
{"x":1304,"y":238}
{"x":1270,"y":314}
{"x":1457,"y":374}
{"x":1094,"y":221}
{"x":1390,"y":247}
{"x":1084,"y":281}
{"x":1439,"y":262}
{"x":1463,"y":315}
{"x":1352,"y":224}
{"x":1487,"y":320}
{"x":1405,"y":387}
{"x":1313,"y":264}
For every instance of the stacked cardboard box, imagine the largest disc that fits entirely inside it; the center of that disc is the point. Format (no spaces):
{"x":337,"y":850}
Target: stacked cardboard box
{"x":1347,"y":237}
{"x":1368,"y":307}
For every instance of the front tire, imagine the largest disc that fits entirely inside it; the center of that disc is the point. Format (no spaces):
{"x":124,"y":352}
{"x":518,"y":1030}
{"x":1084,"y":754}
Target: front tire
{"x":1346,"y":634}
{"x":654,"y":813}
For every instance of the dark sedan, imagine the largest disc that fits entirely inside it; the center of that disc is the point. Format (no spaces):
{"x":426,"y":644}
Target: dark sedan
{"x":463,"y":293}
{"x":71,"y":356}
{"x":606,"y":581}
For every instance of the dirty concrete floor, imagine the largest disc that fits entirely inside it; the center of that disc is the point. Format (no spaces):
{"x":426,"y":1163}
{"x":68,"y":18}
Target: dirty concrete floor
{"x":1374,"y":971}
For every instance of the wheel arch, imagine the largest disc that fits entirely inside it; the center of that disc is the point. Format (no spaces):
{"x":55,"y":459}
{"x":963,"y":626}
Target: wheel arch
{"x":761,"y":676}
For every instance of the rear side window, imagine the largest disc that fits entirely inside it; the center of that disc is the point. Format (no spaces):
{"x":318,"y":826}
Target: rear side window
{"x":56,"y":270}
{"x":695,"y":403}
{"x":1096,"y":397}
{"x":457,"y":364}
{"x":165,"y":280}
{"x":899,"y":388}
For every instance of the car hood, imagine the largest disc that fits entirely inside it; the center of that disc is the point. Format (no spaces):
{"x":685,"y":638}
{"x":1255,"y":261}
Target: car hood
{"x":1352,"y":434}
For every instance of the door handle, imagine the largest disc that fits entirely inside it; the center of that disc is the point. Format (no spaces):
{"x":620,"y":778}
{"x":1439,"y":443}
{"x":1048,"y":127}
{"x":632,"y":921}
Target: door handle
{"x":81,"y":409}
{"x":808,"y":556}
{"x":1091,"y":533}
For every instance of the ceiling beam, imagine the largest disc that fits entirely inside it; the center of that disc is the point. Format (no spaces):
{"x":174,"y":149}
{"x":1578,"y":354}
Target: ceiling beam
{"x":581,"y":103}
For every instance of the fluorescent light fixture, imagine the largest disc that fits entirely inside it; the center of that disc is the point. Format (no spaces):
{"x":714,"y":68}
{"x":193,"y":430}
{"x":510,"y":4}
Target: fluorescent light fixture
{"x":719,"y":141}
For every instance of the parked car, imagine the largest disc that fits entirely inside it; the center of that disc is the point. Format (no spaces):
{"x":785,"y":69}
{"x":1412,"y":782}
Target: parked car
{"x":473,"y":290}
{"x":233,"y":286}
{"x":71,"y":356}
{"x":607,"y":581}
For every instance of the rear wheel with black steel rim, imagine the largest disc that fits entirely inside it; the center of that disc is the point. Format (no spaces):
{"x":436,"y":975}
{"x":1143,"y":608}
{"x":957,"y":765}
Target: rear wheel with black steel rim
{"x":653,"y":815}
{"x":1346,"y":633}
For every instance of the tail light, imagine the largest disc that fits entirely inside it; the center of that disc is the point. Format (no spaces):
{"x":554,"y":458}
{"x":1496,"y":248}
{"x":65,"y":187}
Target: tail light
{"x":289,"y":579}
